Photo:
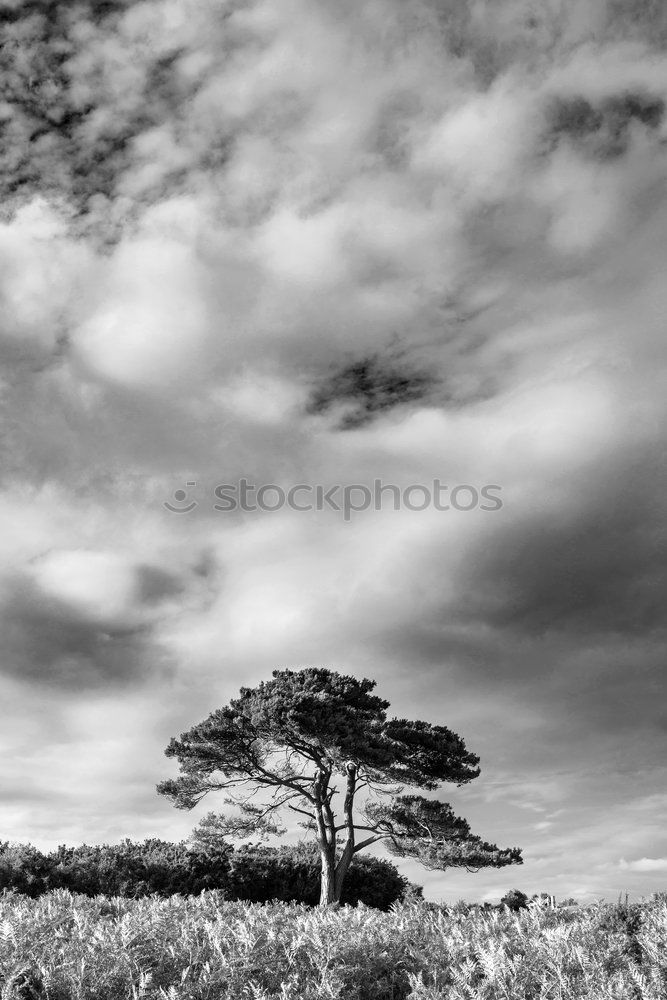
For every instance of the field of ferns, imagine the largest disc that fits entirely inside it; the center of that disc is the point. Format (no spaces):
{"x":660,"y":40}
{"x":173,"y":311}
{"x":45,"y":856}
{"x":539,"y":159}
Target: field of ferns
{"x":68,"y":947}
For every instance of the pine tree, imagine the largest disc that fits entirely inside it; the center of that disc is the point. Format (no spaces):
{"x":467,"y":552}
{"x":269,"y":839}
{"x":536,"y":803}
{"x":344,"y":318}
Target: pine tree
{"x":284,"y":745}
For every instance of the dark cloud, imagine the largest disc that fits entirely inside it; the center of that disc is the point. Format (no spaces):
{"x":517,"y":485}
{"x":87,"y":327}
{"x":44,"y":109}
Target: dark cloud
{"x":368,"y":387}
{"x":603,"y":129}
{"x":644,"y":20}
{"x":154,"y":584}
{"x":53,"y":12}
{"x":491,"y":35}
{"x":60,"y":134}
{"x":46,"y":642}
{"x":601,"y":569}
{"x":63,"y":135}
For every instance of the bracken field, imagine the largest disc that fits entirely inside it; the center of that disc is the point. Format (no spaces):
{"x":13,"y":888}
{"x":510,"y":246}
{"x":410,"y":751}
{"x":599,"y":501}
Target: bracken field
{"x":63,"y":946}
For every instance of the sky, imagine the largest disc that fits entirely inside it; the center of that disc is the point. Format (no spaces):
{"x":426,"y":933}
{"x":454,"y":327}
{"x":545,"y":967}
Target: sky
{"x":303,"y":242}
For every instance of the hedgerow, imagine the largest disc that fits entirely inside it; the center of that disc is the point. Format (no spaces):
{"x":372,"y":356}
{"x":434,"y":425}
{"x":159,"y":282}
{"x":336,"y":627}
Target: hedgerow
{"x":255,"y":873}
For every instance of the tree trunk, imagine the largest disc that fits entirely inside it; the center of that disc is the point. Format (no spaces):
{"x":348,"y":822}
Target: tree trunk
{"x":348,"y":851}
{"x":341,"y":871}
{"x":328,"y":879}
{"x":326,"y":836}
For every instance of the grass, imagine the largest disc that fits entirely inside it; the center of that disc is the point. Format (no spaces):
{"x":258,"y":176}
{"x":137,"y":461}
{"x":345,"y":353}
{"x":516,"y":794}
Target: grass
{"x":68,"y":947}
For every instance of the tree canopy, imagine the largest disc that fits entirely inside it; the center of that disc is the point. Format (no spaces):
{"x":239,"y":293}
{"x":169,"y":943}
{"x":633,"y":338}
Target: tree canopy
{"x":283,"y":745}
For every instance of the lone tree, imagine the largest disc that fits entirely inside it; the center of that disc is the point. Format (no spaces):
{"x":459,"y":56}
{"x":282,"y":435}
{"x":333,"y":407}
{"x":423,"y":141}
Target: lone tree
{"x":287,"y":742}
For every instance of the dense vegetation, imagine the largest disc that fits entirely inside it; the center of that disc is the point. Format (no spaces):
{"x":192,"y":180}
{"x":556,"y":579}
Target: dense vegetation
{"x":66,"y":947}
{"x":255,"y":873}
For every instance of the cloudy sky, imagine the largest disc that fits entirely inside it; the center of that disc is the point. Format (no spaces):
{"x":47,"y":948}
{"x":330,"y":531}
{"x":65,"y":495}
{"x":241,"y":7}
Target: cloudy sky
{"x":306,"y":242}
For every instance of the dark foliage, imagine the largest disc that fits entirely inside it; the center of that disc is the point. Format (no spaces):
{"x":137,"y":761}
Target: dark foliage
{"x":429,"y":831}
{"x":515,"y":900}
{"x":25,"y":983}
{"x":253,"y":872}
{"x":624,"y":922}
{"x":24,"y":869}
{"x":259,"y":874}
{"x":138,"y":869}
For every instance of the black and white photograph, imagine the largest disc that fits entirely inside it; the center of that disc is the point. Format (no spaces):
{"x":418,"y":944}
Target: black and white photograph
{"x":333,"y":500}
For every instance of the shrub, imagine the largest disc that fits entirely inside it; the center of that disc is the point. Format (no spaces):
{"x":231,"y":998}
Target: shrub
{"x":622,"y":923}
{"x":515,"y":900}
{"x":24,"y":869}
{"x":139,"y":869}
{"x":292,"y":874}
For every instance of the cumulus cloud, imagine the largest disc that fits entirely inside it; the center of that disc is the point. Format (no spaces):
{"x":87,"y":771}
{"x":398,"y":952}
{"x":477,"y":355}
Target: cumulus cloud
{"x":40,"y":274}
{"x":644,"y":865}
{"x":149,"y":327}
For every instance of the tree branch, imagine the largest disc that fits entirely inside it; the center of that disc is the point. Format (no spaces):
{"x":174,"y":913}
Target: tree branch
{"x":368,"y":841}
{"x":304,"y":812}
